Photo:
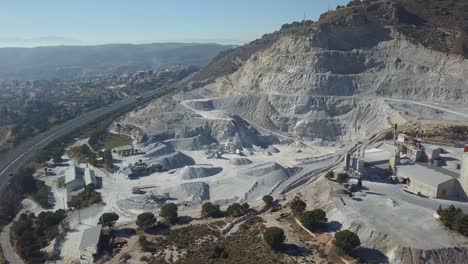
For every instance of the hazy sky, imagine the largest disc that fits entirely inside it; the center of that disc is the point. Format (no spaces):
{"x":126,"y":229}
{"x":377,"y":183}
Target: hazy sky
{"x":52,"y":22}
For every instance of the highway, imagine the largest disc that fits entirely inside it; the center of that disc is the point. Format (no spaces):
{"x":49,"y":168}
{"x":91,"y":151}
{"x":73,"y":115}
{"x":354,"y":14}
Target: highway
{"x":19,"y":156}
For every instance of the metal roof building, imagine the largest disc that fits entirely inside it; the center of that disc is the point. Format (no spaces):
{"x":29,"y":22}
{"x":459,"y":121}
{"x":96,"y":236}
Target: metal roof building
{"x":429,"y":180}
{"x":89,"y":177}
{"x":73,"y":179}
{"x":89,"y":244}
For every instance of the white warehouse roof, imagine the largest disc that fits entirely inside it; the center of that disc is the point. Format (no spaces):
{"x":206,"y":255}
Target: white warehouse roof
{"x":71,"y":174}
{"x":90,"y":237}
{"x":428,"y":174}
{"x":89,"y":177}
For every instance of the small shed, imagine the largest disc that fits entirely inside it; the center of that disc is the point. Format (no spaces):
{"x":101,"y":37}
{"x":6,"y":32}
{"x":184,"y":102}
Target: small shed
{"x":90,"y":243}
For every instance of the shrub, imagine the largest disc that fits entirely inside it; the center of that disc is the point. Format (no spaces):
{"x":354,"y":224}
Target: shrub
{"x":219,"y":251}
{"x":354,"y":3}
{"x":313,"y":219}
{"x":448,"y":215}
{"x":145,"y":244}
{"x":297,"y":206}
{"x":346,"y":240}
{"x":274,"y":237}
{"x":330,"y":175}
{"x":268,"y":200}
{"x":210,"y":210}
{"x":88,"y":197}
{"x":461,"y":224}
{"x":108,"y":219}
{"x":236,"y":210}
{"x":169,"y":212}
{"x":342,"y":177}
{"x":146,"y":220}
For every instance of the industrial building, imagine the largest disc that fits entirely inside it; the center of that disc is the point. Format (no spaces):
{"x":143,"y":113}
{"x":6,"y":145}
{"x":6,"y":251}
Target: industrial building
{"x":77,"y":178}
{"x":430,"y":180}
{"x":90,"y":244}
{"x":73,"y":179}
{"x":426,"y":178}
{"x":464,"y":170}
{"x":89,"y":177}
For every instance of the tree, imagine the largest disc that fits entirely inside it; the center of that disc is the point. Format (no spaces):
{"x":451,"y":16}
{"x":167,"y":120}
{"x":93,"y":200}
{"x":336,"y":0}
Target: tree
{"x":219,"y":251}
{"x":146,"y":220}
{"x":297,"y":206}
{"x":210,"y":210}
{"x":57,"y":157}
{"x":274,"y":237}
{"x":145,"y":244}
{"x":108,"y":219}
{"x":313,"y":219}
{"x":330,"y":175}
{"x":25,"y":181}
{"x":169,"y":212}
{"x":461,"y":223}
{"x":236,"y":210}
{"x":346,"y":240}
{"x":342,"y":177}
{"x":448,"y":215}
{"x":245,"y":207}
{"x":268,"y":200}
{"x":354,"y":3}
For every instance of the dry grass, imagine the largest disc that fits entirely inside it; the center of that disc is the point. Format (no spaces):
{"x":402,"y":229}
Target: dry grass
{"x":197,"y":244}
{"x":115,"y":140}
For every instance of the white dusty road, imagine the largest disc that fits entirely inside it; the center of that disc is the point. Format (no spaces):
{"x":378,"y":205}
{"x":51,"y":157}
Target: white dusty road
{"x":440,"y":108}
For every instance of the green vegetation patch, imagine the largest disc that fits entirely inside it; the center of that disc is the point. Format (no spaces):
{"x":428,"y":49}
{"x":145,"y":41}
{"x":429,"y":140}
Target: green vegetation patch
{"x":31,"y":233}
{"x":88,"y":197}
{"x":115,"y":140}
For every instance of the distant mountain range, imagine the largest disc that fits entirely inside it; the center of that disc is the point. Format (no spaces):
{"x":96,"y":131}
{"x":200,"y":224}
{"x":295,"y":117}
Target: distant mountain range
{"x":71,"y":62}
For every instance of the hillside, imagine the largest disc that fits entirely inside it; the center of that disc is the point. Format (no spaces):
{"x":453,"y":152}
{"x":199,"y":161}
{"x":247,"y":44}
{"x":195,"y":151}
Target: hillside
{"x":387,"y":48}
{"x":70,"y":62}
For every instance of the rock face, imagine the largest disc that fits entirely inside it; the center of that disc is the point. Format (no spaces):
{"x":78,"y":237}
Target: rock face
{"x":406,"y":49}
{"x":392,"y":67}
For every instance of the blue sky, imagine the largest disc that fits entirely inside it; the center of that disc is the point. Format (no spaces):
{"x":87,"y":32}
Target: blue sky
{"x":42,"y":22}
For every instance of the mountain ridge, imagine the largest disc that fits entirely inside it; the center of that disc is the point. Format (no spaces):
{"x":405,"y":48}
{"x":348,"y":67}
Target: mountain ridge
{"x":70,"y":62}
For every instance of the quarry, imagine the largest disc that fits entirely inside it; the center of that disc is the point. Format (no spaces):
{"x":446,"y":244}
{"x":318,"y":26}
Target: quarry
{"x":350,"y":95}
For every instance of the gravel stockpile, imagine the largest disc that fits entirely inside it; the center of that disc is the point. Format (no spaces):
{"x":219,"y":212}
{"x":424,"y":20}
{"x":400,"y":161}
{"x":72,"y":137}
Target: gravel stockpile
{"x":263,"y":169}
{"x":199,"y":142}
{"x":240,"y":161}
{"x":160,"y":149}
{"x":195,"y":172}
{"x":272,"y":149}
{"x":174,"y":161}
{"x":191,"y":191}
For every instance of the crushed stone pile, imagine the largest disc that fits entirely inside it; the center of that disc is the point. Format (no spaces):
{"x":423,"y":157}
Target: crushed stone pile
{"x":263,"y":169}
{"x":191,"y":191}
{"x":196,"y":172}
{"x":159,"y":149}
{"x":174,"y":160}
{"x":272,"y":149}
{"x":199,"y":142}
{"x":240,"y":161}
